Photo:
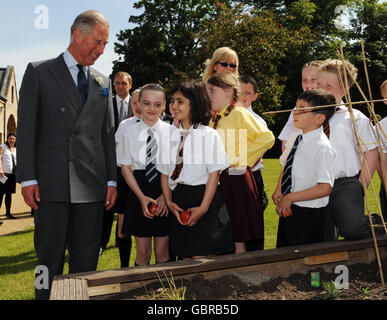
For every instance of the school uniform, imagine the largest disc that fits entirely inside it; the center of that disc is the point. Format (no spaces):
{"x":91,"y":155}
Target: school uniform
{"x":383,"y":142}
{"x":132,"y":150}
{"x":313,"y":163}
{"x":203,"y":154}
{"x":346,"y":201}
{"x":288,"y":129}
{"x":122,"y":187}
{"x":258,"y":244}
{"x":245,"y":141}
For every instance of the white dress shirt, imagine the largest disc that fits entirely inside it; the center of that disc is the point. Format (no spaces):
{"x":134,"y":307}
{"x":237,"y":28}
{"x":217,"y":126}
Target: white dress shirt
{"x":7,"y":163}
{"x":343,"y":140}
{"x":203,"y":154}
{"x":287,"y":129}
{"x":382,"y":136}
{"x":259,"y":165}
{"x":72,"y":65}
{"x":131,"y":147}
{"x":313,"y":163}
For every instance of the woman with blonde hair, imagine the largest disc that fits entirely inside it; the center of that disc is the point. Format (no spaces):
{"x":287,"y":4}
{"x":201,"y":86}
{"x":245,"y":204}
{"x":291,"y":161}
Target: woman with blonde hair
{"x":223,"y":59}
{"x":245,"y":141}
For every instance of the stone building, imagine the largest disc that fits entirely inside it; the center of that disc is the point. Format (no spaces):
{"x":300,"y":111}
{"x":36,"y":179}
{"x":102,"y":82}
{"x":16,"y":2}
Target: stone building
{"x":8,"y":102}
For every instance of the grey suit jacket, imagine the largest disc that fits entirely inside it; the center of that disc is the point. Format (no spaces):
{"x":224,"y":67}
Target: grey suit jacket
{"x":68,"y":148}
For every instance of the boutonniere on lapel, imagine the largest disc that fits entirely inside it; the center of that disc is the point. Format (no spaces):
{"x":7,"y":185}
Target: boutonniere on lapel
{"x":104,"y":91}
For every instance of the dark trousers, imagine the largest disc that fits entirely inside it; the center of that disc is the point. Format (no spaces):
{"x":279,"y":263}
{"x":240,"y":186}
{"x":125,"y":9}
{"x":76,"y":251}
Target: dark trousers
{"x":383,"y":201}
{"x":258,"y":244}
{"x":305,"y":225}
{"x":346,"y":211}
{"x":76,"y":227}
{"x":107,"y":225}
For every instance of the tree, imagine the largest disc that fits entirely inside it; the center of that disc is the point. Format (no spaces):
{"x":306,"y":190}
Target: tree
{"x":262,"y":42}
{"x":162,"y":45}
{"x":368,"y":22}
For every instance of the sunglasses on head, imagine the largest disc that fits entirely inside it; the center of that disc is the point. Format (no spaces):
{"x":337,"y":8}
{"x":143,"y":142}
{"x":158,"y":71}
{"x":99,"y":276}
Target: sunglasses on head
{"x":225,"y":64}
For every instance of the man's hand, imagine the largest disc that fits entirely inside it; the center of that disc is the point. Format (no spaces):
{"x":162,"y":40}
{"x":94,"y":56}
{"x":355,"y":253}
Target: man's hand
{"x":111,"y":197}
{"x":31,"y":195}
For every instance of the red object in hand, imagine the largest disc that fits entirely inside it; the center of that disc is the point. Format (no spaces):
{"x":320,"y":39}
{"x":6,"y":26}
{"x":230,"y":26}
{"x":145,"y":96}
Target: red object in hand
{"x":152,"y":209}
{"x":287,"y":213}
{"x":185,"y":215}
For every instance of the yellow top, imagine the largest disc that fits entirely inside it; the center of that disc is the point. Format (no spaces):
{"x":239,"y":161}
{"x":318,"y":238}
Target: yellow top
{"x":244,"y":138}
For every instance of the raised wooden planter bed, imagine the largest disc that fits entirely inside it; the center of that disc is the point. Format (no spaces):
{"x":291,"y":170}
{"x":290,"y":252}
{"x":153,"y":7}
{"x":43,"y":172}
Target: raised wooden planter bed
{"x":257,"y":266}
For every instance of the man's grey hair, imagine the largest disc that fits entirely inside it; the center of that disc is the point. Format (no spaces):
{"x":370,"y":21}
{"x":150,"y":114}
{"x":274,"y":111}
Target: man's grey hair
{"x":87,"y":20}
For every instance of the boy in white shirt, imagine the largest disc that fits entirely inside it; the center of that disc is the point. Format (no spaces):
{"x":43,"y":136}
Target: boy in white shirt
{"x":304,"y":185}
{"x":346,"y":202}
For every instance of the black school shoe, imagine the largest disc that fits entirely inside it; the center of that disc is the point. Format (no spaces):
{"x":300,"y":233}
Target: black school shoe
{"x":10,"y":216}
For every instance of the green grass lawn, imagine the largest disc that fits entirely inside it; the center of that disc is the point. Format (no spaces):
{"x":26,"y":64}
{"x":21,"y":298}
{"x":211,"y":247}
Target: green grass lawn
{"x":18,"y":258}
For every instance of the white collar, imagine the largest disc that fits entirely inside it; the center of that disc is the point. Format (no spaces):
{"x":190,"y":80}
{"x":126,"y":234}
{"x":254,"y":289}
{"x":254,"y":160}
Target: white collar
{"x":71,"y":62}
{"x":312,"y":134}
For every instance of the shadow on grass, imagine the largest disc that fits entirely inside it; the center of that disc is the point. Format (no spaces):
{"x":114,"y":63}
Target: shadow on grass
{"x":18,"y":263}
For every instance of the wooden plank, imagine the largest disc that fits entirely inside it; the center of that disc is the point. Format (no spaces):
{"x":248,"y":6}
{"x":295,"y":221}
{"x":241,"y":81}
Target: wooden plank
{"x":59,"y":295}
{"x":327,"y":258}
{"x":54,"y":289}
{"x":107,"y":277}
{"x":84,"y":285}
{"x":72,"y":289}
{"x":66,"y":289}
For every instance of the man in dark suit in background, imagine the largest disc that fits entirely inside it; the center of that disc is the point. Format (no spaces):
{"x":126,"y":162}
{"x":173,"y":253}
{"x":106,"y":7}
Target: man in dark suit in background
{"x":122,"y":82}
{"x":66,"y":151}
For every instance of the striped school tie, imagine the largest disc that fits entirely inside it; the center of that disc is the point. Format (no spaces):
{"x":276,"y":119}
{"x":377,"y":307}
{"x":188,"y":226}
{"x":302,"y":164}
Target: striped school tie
{"x":179,"y":156}
{"x":151,"y":153}
{"x":82,"y":83}
{"x":286,"y":184}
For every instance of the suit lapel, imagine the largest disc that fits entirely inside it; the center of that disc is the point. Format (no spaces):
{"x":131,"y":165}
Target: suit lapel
{"x":62,"y":75}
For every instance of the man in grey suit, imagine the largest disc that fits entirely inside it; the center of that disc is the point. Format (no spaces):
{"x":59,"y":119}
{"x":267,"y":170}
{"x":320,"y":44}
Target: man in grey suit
{"x":66,"y":150}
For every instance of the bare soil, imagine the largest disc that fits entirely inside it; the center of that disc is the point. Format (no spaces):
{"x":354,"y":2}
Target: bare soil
{"x":364,"y":284}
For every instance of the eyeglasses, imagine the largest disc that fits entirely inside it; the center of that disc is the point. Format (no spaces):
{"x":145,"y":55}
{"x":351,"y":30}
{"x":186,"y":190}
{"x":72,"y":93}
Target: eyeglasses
{"x":225,"y":64}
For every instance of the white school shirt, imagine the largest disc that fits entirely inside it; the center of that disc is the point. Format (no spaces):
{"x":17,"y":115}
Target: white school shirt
{"x":7,"y":164}
{"x":131,"y":148}
{"x":123,"y":125}
{"x":382,"y":136}
{"x":313,"y":163}
{"x":343,"y":140}
{"x":259,"y":165}
{"x":203,"y":153}
{"x":287,"y":129}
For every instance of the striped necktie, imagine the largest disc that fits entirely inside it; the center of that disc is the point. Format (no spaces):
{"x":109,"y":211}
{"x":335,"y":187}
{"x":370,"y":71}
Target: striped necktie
{"x":286,"y":184}
{"x":82,"y":83}
{"x":179,"y":156}
{"x":151,"y":153}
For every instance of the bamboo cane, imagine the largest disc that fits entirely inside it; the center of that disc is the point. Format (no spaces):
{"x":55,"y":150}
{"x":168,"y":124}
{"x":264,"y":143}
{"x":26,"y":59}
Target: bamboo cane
{"x":325,"y":106}
{"x":362,"y":158}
